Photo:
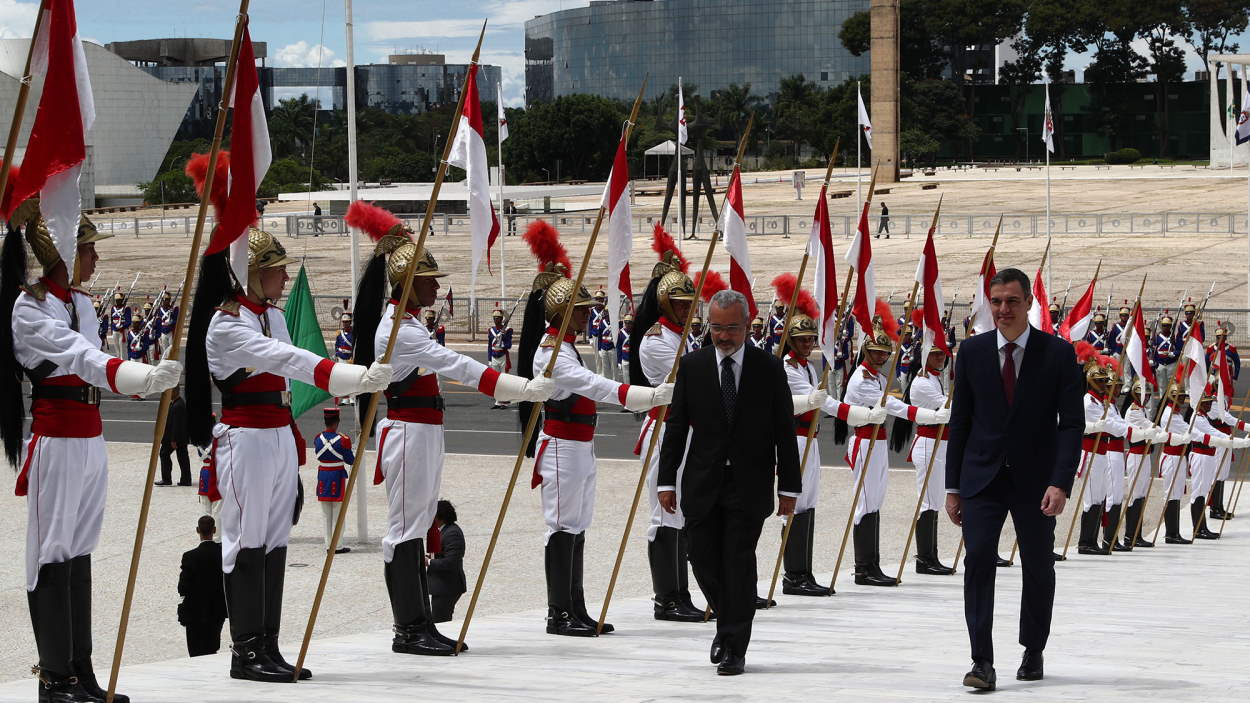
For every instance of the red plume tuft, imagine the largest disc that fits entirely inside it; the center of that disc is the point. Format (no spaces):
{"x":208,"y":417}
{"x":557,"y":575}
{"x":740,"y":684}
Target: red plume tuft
{"x":888,"y":322}
{"x":917,"y":317}
{"x":197,"y":169}
{"x":374,"y":220}
{"x":544,"y":242}
{"x":662,"y":241}
{"x":785,"y":291}
{"x":1109,"y":362}
{"x":1084,"y":351}
{"x":714,"y":285}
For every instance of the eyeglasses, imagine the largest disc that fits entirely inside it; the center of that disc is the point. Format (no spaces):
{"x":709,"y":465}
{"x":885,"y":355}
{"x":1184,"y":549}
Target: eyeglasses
{"x":731,"y":329}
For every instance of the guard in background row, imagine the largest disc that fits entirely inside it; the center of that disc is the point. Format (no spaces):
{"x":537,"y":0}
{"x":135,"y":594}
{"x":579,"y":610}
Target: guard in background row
{"x":623,"y":346}
{"x":928,"y":390}
{"x":564,"y":462}
{"x":1222,"y":359}
{"x":334,"y":455}
{"x":1137,"y":463}
{"x":119,"y":323}
{"x":1204,"y":456}
{"x":436,"y":331}
{"x":1172,"y":465}
{"x":1102,"y":448}
{"x":499,"y":347}
{"x":410,"y":445}
{"x":49,"y":336}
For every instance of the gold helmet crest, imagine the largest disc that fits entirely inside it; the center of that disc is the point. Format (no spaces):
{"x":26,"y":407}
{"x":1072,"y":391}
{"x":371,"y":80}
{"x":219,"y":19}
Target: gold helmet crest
{"x":28,"y":216}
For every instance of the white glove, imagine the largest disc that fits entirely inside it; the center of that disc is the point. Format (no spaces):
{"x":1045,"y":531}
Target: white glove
{"x":1157,"y":435}
{"x":350,"y":379}
{"x":925,"y":416}
{"x":943,"y":415}
{"x":1176,"y":439}
{"x":811,"y":401}
{"x":1222,"y":442}
{"x":134,"y":378}
{"x":509,"y":389}
{"x":1241,"y":442}
{"x":1095,"y":427}
{"x":641,"y":398}
{"x":877,"y":415}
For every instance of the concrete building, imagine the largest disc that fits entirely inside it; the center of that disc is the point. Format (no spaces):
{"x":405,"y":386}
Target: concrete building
{"x":606,"y":48}
{"x":137,"y":116}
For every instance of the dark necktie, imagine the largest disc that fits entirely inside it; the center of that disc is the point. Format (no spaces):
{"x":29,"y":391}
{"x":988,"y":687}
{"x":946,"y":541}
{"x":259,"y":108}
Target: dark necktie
{"x":1009,"y":372}
{"x":728,"y":389}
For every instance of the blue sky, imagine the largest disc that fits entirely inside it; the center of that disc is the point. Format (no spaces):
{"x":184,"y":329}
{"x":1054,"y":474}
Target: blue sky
{"x":311,"y":32}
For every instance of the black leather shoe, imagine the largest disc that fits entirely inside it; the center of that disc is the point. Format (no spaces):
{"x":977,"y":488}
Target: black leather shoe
{"x":732,"y":665}
{"x":869,"y":578}
{"x":433,"y":632}
{"x":1121,"y":546}
{"x":418,"y":640}
{"x":1217,"y":514}
{"x":88,"y":687}
{"x":717,"y":653}
{"x":56,"y":688}
{"x":803,"y":585}
{"x":1030,"y":667}
{"x":1143,"y":542}
{"x":271,"y":651}
{"x":1177,"y":540}
{"x":248,"y":661}
{"x":180,"y":483}
{"x":1204,"y":533}
{"x":162,"y":483}
{"x":676,"y":611}
{"x":762,"y":603}
{"x":1087,"y":549}
{"x":981,"y":677}
{"x":928,"y":567}
{"x":1058,"y":557}
{"x":1001,"y":563}
{"x":564,"y":623}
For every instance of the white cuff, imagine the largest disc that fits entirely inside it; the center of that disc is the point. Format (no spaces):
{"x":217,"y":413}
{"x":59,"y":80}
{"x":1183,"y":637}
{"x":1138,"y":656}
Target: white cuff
{"x":661,"y":489}
{"x":788,"y":494}
{"x":952,"y":491}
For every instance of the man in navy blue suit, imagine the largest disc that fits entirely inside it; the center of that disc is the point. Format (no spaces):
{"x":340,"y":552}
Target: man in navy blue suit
{"x":1015,"y":438}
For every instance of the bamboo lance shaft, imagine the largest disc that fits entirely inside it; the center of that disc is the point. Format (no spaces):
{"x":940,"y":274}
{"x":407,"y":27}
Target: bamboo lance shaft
{"x":162,"y":413}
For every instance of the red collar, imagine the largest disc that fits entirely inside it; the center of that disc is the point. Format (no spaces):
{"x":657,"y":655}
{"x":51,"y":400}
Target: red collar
{"x":795,"y":355}
{"x":258,"y":308}
{"x":63,"y":295}
{"x":570,"y":337}
{"x":871,"y":370}
{"x":409,"y":311}
{"x":933,"y":371}
{"x":670,"y":325}
{"x":1096,"y":396}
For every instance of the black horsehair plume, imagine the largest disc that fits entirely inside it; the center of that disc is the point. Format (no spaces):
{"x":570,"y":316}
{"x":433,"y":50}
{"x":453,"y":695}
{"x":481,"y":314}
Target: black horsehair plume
{"x":12,"y":278}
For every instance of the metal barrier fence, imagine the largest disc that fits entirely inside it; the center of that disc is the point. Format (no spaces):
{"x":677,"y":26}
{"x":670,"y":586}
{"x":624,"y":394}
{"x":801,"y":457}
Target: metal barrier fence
{"x":901,"y":224}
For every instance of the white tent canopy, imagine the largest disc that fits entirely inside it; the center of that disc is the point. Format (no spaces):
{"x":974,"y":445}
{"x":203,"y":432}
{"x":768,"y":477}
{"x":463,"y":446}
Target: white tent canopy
{"x":668,"y":148}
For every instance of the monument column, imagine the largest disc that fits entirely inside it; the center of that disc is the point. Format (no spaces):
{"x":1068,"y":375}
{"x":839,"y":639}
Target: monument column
{"x":884,"y":57}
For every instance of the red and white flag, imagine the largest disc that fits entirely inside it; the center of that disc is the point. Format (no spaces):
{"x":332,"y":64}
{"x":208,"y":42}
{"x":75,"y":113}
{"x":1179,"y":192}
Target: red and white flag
{"x":468,"y":151}
{"x":1223,"y":375}
{"x":58,"y":143}
{"x":1039,"y":311}
{"x":503,"y":119}
{"x":982,"y":316}
{"x":825,"y":286}
{"x":1048,"y":124}
{"x":620,"y":230}
{"x":1076,"y":324}
{"x":733,"y":225}
{"x":859,"y":256}
{"x":931,"y":311}
{"x":1138,"y":351}
{"x":865,"y":125}
{"x":681,"y":115}
{"x":1192,"y":371}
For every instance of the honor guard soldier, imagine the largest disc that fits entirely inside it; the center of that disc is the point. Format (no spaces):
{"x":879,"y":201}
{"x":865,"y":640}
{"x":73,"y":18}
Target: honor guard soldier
{"x":928,"y":390}
{"x":776,"y":324}
{"x":1223,"y":421}
{"x":1163,"y":348}
{"x":410,"y":440}
{"x":1182,"y":327}
{"x":1098,"y":335}
{"x":694,"y":341}
{"x":809,"y":402}
{"x":663,"y":309}
{"x":499,"y":347}
{"x":757,"y":338}
{"x":1223,"y":354}
{"x":1172,"y":468}
{"x":344,"y":348}
{"x":908,"y":353}
{"x":1055,"y":314}
{"x":334,"y":455}
{"x":119,"y":324}
{"x":51,"y":339}
{"x":1138,"y":462}
{"x":564,"y":462}
{"x":436,"y":331}
{"x":1205,"y":456}
{"x":842,"y":362}
{"x":103,"y":323}
{"x":238,"y":341}
{"x":605,"y":351}
{"x":1115,"y":342}
{"x":1102,"y":448}
{"x":206,"y":490}
{"x":151,"y":333}
{"x":623,"y":346}
{"x":1230,"y":352}
{"x":166,"y":320}
{"x":865,"y":389}
{"x":137,"y":342}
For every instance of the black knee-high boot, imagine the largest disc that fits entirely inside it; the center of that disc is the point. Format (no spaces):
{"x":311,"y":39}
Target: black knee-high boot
{"x":1134,"y":518}
{"x":51,"y":617}
{"x":275,"y":583}
{"x":1218,"y":511}
{"x":80,"y":607}
{"x":1090,"y":520}
{"x":558,"y":562}
{"x":245,"y":602}
{"x":429,"y":612}
{"x":1110,"y":530}
{"x":578,"y":592}
{"x":1196,"y":509}
{"x":868,"y":553}
{"x":927,"y":561}
{"x":410,"y":602}
{"x":1172,"y":521}
{"x":799,"y":580}
{"x":664,"y":556}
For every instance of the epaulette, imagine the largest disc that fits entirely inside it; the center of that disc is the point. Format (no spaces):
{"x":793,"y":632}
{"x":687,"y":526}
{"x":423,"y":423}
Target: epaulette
{"x":36,"y":290}
{"x":868,"y":375}
{"x":230,"y":307}
{"x":655,"y":330}
{"x":792,"y":361}
{"x":549,"y":341}
{"x":80,"y":289}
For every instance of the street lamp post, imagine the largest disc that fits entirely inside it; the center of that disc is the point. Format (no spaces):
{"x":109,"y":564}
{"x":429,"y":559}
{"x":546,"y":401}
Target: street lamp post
{"x":1026,"y":142}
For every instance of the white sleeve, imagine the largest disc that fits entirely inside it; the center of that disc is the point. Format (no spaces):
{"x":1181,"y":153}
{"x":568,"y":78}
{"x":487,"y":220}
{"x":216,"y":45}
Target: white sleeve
{"x":233,"y":344}
{"x":1115,"y":425}
{"x":40,"y":336}
{"x":420,"y":350}
{"x":655,"y":356}
{"x":926,"y":392}
{"x":1203,"y":426}
{"x":860,"y":391}
{"x":897,"y":408}
{"x":571,"y":377}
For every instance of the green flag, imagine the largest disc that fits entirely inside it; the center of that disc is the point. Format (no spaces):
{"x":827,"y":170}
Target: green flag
{"x":301,"y":322}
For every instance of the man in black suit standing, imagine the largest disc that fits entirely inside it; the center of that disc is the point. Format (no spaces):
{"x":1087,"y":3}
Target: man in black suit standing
{"x":736,"y":400}
{"x":1015,"y":438}
{"x":446,"y":568}
{"x":175,"y":442}
{"x":203,"y":607}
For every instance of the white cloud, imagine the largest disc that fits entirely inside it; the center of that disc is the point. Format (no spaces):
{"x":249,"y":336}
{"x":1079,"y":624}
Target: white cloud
{"x":302,"y":54}
{"x":442,"y":29}
{"x":514,"y":13}
{"x":17,"y":19}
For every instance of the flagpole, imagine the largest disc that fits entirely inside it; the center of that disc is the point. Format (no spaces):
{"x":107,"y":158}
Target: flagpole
{"x":503,"y":264}
{"x":1049,"y":281}
{"x":859,"y":138}
{"x":681,"y":179}
{"x":362,"y":505}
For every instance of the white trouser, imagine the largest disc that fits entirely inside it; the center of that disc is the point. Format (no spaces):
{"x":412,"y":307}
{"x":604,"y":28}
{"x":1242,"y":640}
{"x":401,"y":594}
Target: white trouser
{"x":659,"y":516}
{"x":606,"y":359}
{"x":1226,"y":459}
{"x":873,"y":493}
{"x":1113,"y":477}
{"x":68,"y":480}
{"x":411,"y":457}
{"x":330,"y":511}
{"x":811,"y":475}
{"x":1172,"y":483}
{"x":935,"y":492}
{"x":1096,"y":488}
{"x":1203,"y":468}
{"x":166,"y":342}
{"x":1138,"y":465}
{"x":567,"y":469}
{"x":211,"y":508}
{"x":257,"y":474}
{"x":119,"y":344}
{"x":499,"y":364}
{"x":622,"y":371}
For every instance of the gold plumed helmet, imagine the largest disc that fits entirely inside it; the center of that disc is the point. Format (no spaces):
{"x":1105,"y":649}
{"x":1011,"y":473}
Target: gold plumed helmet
{"x":674,"y":285}
{"x":802,"y":326}
{"x":1102,"y":372}
{"x":497,"y":312}
{"x":1221,"y":331}
{"x":1125,"y":311}
{"x":1099,"y":317}
{"x":629,"y":317}
{"x":757,"y":322}
{"x":696,"y":320}
{"x":551,"y":273}
{"x":1190,"y":307}
{"x":263,"y":251}
{"x":601,"y":295}
{"x":668,"y":262}
{"x":398,"y":261}
{"x":1140,"y":389}
{"x":1176,"y":393}
{"x":1165,"y":321}
{"x":429,"y":315}
{"x":558,"y":294}
{"x":1208,"y":394}
{"x":879,"y":340}
{"x":28,"y":216}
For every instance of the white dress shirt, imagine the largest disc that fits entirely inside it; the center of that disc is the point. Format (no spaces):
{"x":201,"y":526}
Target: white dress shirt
{"x":1017,"y":355}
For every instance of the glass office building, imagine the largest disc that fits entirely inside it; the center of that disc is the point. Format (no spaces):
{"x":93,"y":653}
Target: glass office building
{"x":606,"y":49}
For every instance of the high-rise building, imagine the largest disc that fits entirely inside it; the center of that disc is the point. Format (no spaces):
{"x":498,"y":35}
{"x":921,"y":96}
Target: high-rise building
{"x":608,"y":47}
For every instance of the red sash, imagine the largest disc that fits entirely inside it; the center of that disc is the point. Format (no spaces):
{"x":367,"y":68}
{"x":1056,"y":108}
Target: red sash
{"x":261,"y":417}
{"x":424,"y":387}
{"x":57,"y":417}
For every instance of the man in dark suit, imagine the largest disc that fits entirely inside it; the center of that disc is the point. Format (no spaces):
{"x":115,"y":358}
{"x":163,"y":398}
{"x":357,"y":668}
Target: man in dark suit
{"x":1015,"y":438}
{"x":203,"y":607}
{"x":446,"y":568}
{"x":175,"y":442}
{"x":736,"y":400}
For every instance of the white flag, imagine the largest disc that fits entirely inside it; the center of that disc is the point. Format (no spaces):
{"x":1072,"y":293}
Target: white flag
{"x":503,"y":120}
{"x":616,"y":195}
{"x":681,"y":115}
{"x":1048,"y":124}
{"x":468,"y":152}
{"x":1243,"y":118}
{"x":865,"y":125}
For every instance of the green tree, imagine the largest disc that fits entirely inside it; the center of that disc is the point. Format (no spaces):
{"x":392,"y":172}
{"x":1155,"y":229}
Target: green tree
{"x":171,"y":186}
{"x":1212,"y":24}
{"x":578,"y":131}
{"x":289,"y":176}
{"x":291,"y":126}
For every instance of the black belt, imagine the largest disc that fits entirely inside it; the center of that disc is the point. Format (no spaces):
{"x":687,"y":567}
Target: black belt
{"x":408,"y":402}
{"x":83,"y":394}
{"x":235,"y":400}
{"x":560,"y":414}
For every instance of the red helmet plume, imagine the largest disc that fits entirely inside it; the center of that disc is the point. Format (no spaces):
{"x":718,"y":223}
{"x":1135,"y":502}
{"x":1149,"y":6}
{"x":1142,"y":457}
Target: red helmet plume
{"x":1110,"y":363}
{"x":1085,"y":351}
{"x":715,"y":284}
{"x":889,"y":325}
{"x":785,"y":284}
{"x":544,"y":242}
{"x":662,"y":241}
{"x":197,"y":170}
{"x":375,"y":221}
{"x":917,"y":317}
